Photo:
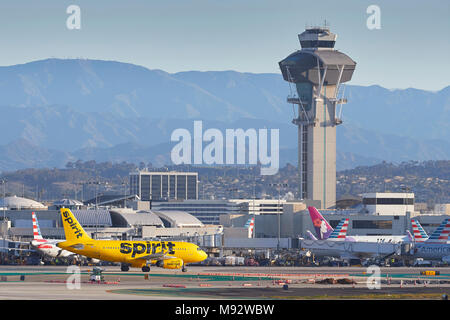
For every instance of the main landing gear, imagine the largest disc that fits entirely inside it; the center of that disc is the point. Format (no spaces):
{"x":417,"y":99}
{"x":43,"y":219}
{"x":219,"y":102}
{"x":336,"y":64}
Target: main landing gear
{"x":145,"y":269}
{"x":124,"y":267}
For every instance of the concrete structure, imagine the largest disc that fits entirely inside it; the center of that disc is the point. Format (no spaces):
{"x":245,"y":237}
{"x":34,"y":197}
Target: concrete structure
{"x":151,"y":186}
{"x":383,"y":203}
{"x":317,"y":71}
{"x":261,"y":206}
{"x":114,"y":200}
{"x":67,"y":203}
{"x":19,"y":203}
{"x":178,"y":219}
{"x":443,"y":208}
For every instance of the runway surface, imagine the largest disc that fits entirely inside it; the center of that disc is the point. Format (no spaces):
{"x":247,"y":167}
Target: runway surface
{"x":57,"y":282}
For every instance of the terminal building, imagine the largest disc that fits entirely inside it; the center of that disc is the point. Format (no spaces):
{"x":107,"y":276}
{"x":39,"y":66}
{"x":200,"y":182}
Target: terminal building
{"x":261,"y":206}
{"x":388,"y":203}
{"x":207,"y":211}
{"x":225,"y":226}
{"x":157,"y":186}
{"x":101,"y":222}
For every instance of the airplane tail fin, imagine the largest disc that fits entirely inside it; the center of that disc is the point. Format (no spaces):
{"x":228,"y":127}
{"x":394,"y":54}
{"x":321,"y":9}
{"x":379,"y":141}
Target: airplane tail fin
{"x":250,"y":225}
{"x":419,"y":233}
{"x":72,"y":228}
{"x":341,"y":230}
{"x":322,"y":227}
{"x":36,"y":230}
{"x":440,"y":235}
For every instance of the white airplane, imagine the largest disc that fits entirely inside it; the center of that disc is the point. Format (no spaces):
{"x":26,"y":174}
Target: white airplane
{"x":46,"y":246}
{"x":336,"y":243}
{"x":250,"y":225}
{"x":325,"y":232}
{"x":436,"y":246}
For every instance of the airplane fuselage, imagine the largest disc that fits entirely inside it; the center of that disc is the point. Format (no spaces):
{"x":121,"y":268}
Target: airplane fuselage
{"x":432,"y":251}
{"x":135,"y":252}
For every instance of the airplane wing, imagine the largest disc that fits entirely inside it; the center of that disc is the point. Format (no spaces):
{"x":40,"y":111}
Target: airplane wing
{"x":156,"y":256}
{"x":77,"y":246}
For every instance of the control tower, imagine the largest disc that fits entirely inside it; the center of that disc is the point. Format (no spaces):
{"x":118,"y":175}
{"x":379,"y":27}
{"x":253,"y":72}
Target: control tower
{"x":317,"y":73}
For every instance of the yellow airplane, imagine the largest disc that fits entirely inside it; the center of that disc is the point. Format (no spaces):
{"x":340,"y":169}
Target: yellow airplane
{"x":138,"y":254}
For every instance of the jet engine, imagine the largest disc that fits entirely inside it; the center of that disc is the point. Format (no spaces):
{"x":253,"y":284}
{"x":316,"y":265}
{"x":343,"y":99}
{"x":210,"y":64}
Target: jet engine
{"x":175,"y":263}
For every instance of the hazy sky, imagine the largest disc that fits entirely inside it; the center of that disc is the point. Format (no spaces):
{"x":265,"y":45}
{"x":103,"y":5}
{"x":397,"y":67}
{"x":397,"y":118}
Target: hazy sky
{"x":410,"y":50}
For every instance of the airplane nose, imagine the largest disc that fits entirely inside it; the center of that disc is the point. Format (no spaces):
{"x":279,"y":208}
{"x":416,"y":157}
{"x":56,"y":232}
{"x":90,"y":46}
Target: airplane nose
{"x":204,"y":255}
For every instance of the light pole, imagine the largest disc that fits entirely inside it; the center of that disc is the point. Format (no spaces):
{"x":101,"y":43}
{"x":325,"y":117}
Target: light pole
{"x":96,"y":183}
{"x":4,"y":215}
{"x":124,"y":183}
{"x":4,"y":196}
{"x":278,"y":185}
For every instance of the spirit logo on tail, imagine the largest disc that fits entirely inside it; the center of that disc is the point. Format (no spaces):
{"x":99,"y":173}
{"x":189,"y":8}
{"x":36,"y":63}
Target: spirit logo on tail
{"x":73,"y":224}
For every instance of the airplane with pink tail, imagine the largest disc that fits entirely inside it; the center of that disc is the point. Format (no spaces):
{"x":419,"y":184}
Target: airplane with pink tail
{"x":325,"y":232}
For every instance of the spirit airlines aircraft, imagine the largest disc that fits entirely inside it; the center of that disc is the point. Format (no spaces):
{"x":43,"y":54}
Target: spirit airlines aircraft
{"x":324,"y":231}
{"x":138,"y":254}
{"x":47,"y":247}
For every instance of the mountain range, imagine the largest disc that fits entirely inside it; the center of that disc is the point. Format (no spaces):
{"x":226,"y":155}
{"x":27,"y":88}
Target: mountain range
{"x":59,"y":110}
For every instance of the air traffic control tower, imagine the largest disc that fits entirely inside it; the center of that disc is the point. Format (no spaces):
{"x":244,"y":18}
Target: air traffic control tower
{"x":316,"y":72}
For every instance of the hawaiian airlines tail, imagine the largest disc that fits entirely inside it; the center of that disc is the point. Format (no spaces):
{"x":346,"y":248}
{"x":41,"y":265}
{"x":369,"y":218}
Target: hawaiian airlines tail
{"x":72,"y":228}
{"x":341,"y":230}
{"x":322,"y":227}
{"x":440,"y":235}
{"x":419,"y":233}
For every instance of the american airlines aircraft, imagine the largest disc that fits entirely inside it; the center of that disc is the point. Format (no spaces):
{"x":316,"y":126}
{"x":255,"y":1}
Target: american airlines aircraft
{"x":437,"y":246}
{"x":45,"y":246}
{"x":250,"y":225}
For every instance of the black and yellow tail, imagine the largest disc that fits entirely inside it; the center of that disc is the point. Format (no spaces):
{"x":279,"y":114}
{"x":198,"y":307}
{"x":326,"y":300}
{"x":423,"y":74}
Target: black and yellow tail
{"x":72,"y":228}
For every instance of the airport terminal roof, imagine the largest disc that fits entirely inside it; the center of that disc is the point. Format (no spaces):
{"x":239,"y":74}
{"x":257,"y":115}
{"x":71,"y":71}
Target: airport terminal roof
{"x":120,"y":218}
{"x":68,"y":202}
{"x":18,"y":203}
{"x":93,"y":218}
{"x":178,"y":219}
